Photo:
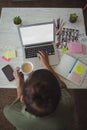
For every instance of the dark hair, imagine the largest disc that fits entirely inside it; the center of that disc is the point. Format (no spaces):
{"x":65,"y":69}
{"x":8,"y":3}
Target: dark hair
{"x":41,"y":88}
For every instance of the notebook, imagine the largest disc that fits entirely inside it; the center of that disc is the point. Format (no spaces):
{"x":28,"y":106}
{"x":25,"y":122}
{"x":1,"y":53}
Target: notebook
{"x":38,"y":35}
{"x":72,"y":69}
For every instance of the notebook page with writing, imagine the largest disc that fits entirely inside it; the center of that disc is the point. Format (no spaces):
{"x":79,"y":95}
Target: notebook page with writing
{"x":65,"y":65}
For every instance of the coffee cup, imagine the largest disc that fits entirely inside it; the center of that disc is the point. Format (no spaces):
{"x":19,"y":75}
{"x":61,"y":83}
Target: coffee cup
{"x":26,"y":68}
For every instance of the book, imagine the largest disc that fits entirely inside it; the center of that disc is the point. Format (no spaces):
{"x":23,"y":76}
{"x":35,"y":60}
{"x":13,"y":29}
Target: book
{"x":72,"y":69}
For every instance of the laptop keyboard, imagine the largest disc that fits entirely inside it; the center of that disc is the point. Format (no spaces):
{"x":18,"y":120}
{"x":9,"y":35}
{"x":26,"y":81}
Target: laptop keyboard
{"x":32,"y":52}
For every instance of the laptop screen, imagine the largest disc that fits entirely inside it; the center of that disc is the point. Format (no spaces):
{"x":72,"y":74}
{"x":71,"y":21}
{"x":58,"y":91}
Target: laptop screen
{"x":37,"y":33}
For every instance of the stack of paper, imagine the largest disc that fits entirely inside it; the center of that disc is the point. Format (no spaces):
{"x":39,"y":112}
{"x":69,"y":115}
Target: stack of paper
{"x":9,"y":54}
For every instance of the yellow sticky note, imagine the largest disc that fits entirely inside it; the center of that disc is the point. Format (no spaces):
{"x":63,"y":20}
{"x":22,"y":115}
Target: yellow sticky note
{"x":6,"y":54}
{"x":12,"y":53}
{"x":79,"y":68}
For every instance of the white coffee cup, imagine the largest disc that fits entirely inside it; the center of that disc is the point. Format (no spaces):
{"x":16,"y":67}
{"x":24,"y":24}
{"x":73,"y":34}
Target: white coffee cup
{"x":26,"y":68}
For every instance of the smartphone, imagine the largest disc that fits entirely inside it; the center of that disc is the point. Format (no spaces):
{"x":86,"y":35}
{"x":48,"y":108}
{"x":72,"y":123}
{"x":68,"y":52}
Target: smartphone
{"x":8,"y":71}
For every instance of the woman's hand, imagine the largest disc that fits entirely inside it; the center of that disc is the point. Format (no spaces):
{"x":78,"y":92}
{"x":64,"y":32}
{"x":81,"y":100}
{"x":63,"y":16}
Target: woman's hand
{"x":20,"y":82}
{"x":43,"y":58}
{"x":19,"y":77}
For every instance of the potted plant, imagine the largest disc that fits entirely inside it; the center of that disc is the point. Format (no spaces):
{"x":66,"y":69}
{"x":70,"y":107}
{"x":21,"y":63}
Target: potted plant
{"x":73,"y":17}
{"x":17,"y":20}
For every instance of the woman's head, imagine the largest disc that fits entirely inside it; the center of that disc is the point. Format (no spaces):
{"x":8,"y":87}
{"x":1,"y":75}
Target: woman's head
{"x":41,"y":93}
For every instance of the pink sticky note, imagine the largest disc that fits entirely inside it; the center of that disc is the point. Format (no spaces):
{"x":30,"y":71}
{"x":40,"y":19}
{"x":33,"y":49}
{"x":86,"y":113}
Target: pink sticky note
{"x":75,"y":77}
{"x":4,"y":58}
{"x":75,"y":47}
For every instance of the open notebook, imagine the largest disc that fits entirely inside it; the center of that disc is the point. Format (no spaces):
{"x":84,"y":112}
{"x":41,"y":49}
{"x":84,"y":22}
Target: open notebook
{"x":71,"y":69}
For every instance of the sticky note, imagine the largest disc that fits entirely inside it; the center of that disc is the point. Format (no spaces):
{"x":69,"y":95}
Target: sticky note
{"x":76,"y":77}
{"x":9,"y":54}
{"x":12,"y":54}
{"x":76,"y":47}
{"x":79,"y":68}
{"x":6,"y":59}
{"x":6,"y":54}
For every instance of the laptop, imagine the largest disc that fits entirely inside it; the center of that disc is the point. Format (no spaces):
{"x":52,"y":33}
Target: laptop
{"x":37,"y":37}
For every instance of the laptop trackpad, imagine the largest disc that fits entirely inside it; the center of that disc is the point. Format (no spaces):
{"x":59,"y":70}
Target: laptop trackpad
{"x":53,"y":60}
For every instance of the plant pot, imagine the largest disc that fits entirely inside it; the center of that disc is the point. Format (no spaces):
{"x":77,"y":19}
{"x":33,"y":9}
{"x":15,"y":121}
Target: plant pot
{"x":18,"y":25}
{"x":17,"y":20}
{"x":73,"y":18}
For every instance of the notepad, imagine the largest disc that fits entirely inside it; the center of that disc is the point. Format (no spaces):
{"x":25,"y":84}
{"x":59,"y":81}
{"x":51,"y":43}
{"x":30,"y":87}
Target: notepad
{"x":9,"y":54}
{"x":72,"y":69}
{"x":76,"y":47}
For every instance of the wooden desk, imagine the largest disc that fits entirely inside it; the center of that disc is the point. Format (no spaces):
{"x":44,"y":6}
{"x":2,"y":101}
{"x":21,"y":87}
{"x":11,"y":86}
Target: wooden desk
{"x":9,"y":37}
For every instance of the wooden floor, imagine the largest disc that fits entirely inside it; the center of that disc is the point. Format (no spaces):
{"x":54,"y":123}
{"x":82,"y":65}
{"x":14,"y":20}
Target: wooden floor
{"x":7,"y":95}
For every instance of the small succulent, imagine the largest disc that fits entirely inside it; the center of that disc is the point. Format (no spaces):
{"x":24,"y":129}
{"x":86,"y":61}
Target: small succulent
{"x":73,"y":17}
{"x":17,"y":20}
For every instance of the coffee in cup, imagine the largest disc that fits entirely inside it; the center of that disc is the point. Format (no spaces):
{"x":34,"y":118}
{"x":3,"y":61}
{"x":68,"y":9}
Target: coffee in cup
{"x":27,"y":68}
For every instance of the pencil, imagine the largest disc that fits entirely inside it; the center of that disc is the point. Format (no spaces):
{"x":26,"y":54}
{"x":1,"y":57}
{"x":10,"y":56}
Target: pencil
{"x":61,"y":26}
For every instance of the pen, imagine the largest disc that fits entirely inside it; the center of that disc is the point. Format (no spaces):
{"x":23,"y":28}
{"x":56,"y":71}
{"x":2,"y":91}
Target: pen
{"x":73,"y":65}
{"x":58,"y":23}
{"x":61,"y":21}
{"x":61,"y":26}
{"x":54,"y":23}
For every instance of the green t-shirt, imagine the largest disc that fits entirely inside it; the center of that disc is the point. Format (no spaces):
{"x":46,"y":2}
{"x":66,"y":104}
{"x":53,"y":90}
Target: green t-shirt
{"x":61,"y":119}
